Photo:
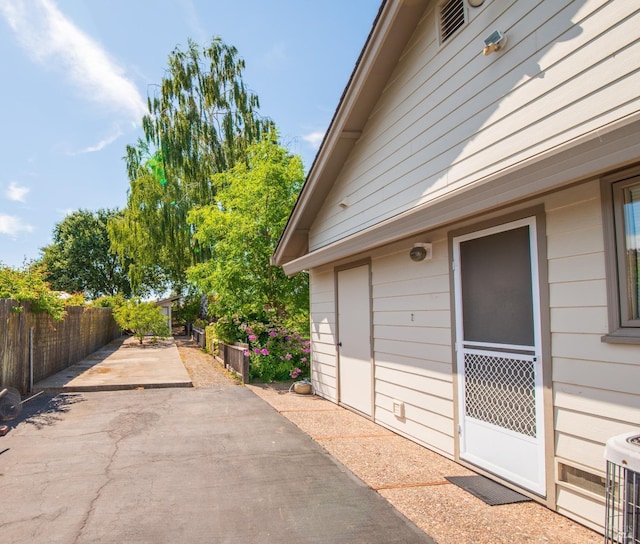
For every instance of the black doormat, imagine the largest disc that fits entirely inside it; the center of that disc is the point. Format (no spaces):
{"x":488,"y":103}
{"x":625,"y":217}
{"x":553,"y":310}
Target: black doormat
{"x":487,"y":490}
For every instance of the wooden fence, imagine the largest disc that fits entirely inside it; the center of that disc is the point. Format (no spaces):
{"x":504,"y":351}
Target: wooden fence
{"x":199,"y":337}
{"x":233,"y":358}
{"x":34,"y":346}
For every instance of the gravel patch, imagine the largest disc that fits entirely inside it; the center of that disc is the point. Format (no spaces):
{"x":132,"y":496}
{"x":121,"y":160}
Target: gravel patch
{"x":203,"y":369}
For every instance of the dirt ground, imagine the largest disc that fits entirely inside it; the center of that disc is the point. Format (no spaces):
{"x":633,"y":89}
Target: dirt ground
{"x":203,"y":369}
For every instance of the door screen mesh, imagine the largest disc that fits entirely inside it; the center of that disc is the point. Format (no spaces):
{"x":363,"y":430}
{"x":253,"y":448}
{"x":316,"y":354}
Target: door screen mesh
{"x":501,"y":391}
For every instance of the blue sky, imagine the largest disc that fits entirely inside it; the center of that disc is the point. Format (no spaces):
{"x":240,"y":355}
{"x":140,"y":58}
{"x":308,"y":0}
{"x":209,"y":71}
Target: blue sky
{"x":75,"y":75}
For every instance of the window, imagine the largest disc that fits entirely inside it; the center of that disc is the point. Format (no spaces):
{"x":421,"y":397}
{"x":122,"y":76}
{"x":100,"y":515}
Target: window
{"x":451,"y":18}
{"x":622,"y":214}
{"x":626,"y":201}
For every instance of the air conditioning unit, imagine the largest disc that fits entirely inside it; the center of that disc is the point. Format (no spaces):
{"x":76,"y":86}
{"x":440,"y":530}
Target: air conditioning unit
{"x":622,"y":524}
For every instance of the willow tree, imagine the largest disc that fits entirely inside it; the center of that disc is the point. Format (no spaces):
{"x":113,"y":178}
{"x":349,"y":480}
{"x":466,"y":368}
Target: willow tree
{"x":201,"y":120}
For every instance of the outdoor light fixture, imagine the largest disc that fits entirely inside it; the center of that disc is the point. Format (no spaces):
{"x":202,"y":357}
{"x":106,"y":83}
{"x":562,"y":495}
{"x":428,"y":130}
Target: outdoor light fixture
{"x":421,"y":251}
{"x":475,"y":3}
{"x":494,"y":42}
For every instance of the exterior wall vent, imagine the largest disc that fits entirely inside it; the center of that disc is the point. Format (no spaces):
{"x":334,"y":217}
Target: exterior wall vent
{"x":582,"y":479}
{"x":452,"y":17}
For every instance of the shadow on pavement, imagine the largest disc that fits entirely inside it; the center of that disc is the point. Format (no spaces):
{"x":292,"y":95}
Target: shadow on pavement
{"x":45,"y":409}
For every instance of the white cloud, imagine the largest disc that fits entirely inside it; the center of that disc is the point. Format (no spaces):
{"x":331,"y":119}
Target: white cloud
{"x":16,"y":193}
{"x":12,"y":225}
{"x":314,"y":139}
{"x":66,"y":211}
{"x":101,"y":144}
{"x":54,"y":40}
{"x":193,"y":20}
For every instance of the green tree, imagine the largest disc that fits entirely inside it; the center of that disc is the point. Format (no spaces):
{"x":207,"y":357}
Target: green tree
{"x":80,"y":259}
{"x":28,"y":285}
{"x":241,"y":231}
{"x":201,"y":120}
{"x":141,"y":318}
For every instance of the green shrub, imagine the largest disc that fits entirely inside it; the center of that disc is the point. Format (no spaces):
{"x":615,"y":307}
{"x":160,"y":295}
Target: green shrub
{"x":141,"y":318}
{"x":277,"y":354}
{"x":76,"y":299}
{"x":108,"y":301}
{"x":211,"y":340}
{"x":228,"y":329}
{"x":28,"y":285}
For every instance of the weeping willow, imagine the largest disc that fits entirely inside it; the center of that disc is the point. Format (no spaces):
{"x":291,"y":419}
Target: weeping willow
{"x":201,"y":121}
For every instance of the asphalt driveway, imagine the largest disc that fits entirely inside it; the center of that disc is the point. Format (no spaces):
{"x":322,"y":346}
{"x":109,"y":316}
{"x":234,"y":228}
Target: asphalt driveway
{"x":189,"y":465}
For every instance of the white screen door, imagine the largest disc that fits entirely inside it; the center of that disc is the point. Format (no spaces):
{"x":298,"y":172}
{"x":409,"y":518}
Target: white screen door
{"x":498,"y":353}
{"x":354,"y":339}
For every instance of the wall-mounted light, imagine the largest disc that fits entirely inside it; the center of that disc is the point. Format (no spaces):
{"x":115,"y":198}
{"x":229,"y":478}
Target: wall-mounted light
{"x":494,"y":42}
{"x":421,"y":251}
{"x":344,"y":203}
{"x":475,"y":3}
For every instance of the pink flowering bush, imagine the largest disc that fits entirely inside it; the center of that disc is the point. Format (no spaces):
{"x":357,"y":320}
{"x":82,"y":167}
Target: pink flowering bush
{"x":277,"y":354}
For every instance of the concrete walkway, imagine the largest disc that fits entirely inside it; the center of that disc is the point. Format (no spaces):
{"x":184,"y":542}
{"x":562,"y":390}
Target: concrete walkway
{"x":122,"y":364}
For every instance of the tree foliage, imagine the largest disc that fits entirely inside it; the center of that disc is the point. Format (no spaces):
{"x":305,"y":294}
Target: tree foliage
{"x":28,"y":285}
{"x":80,"y":259}
{"x":141,"y":318}
{"x":241,"y":231}
{"x":201,"y":120}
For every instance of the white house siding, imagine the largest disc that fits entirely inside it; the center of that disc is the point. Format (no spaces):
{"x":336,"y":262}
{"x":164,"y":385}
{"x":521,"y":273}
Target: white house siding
{"x":323,"y":333}
{"x":412,"y":346}
{"x":451,"y":116}
{"x":596,"y":389}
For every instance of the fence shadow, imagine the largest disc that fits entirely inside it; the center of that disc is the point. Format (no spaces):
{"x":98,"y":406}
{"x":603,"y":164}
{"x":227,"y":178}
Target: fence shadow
{"x":46,"y":409}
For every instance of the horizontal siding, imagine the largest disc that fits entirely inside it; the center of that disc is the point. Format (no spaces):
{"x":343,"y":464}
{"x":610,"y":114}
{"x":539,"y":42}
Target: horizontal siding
{"x":585,"y":452}
{"x":591,"y":400}
{"x":417,"y":425}
{"x":596,"y":390}
{"x":440,"y":406}
{"x":615,"y":377}
{"x":421,"y":367}
{"x":593,"y":427}
{"x":595,"y":386}
{"x":412,"y":346}
{"x":323,"y":334}
{"x":433,"y":352}
{"x":578,"y":294}
{"x":569,"y":68}
{"x":569,"y":502}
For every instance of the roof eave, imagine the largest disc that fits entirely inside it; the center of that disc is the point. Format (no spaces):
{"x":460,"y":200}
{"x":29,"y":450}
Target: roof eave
{"x":390,"y":33}
{"x":611,"y":146}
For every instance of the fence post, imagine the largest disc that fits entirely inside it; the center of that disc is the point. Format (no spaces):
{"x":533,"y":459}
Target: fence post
{"x":31,"y":329}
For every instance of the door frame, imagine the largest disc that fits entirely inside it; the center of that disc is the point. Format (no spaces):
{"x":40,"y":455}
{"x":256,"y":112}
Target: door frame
{"x":336,"y":271}
{"x":476,"y":225}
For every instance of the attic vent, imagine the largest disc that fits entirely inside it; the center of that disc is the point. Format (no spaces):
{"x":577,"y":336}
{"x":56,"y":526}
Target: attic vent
{"x":451,"y":18}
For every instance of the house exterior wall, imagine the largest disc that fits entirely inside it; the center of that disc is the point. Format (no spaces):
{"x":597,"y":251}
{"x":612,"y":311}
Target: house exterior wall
{"x":449,"y":117}
{"x":323,"y":313}
{"x":595,"y":391}
{"x":451,"y":121}
{"x":412,"y":346}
